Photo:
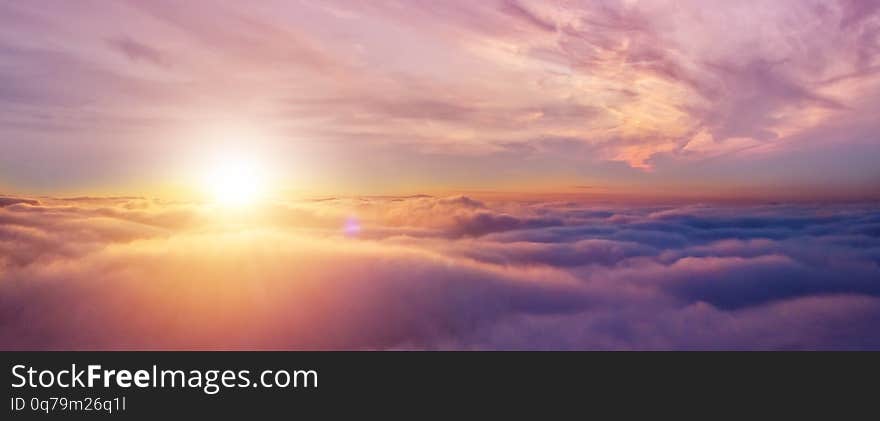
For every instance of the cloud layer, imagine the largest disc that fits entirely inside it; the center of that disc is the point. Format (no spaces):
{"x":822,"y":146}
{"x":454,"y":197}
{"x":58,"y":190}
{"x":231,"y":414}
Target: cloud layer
{"x":437,"y":273}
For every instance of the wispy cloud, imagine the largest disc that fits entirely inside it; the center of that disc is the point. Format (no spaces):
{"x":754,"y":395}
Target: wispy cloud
{"x":137,"y":51}
{"x":660,"y":88}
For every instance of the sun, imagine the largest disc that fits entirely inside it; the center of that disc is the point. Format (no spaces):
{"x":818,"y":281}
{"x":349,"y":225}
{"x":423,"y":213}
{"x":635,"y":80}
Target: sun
{"x":236,"y":181}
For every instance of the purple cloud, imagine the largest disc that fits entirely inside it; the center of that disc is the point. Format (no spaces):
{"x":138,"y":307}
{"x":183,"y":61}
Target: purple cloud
{"x":137,"y":51}
{"x":134,"y":273}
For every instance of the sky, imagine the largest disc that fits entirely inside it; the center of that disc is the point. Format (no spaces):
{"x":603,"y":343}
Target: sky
{"x":724,"y":99}
{"x":499,"y":174}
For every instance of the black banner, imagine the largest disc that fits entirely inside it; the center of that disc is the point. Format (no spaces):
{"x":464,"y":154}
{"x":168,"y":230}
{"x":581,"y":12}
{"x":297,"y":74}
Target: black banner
{"x":135,"y":385}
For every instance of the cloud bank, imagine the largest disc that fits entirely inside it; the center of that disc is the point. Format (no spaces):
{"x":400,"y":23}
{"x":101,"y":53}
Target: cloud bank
{"x":437,"y":273}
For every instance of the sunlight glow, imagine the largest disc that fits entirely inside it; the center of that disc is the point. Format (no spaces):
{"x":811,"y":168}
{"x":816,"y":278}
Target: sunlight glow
{"x":236,"y":181}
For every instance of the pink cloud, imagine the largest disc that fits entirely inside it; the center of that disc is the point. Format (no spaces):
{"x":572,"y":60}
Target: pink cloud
{"x":636,"y":83}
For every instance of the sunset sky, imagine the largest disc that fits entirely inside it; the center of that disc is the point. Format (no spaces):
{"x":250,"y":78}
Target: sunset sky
{"x":347,"y":97}
{"x":428,"y":174}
